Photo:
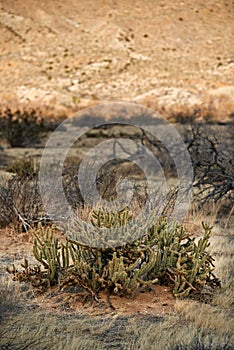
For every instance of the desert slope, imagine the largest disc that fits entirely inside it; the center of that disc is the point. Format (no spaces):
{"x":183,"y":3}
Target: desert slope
{"x":61,"y":55}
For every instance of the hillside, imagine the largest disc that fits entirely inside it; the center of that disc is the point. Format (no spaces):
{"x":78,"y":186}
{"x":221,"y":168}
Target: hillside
{"x":174,"y":56}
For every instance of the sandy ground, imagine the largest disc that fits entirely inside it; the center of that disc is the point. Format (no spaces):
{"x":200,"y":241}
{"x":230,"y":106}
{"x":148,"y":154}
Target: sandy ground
{"x":173,"y":56}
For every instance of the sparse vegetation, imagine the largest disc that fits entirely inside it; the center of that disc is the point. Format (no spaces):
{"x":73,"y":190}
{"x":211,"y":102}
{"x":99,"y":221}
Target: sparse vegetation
{"x":166,"y":255}
{"x":21,"y":128}
{"x":20,"y":202}
{"x":59,"y":58}
{"x":211,"y":150}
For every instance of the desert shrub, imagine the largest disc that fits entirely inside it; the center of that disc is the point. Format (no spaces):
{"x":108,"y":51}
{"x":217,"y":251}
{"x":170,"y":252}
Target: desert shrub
{"x":211,"y":150}
{"x":24,"y":167}
{"x":165,"y":254}
{"x":20,"y":202}
{"x":70,"y":182}
{"x":21,"y":128}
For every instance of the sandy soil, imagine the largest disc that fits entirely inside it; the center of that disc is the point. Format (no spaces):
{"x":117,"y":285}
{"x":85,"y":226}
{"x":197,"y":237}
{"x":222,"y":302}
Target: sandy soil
{"x":61,"y":56}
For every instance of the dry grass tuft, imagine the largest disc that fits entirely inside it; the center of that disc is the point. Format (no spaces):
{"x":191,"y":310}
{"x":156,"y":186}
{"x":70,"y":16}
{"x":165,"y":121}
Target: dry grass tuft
{"x":9,"y":296}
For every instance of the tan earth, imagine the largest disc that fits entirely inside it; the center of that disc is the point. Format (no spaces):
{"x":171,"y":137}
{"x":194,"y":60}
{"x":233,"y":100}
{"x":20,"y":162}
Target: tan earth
{"x":173,"y":56}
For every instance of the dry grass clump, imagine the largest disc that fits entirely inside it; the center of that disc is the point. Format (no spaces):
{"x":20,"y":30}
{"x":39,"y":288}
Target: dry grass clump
{"x":39,"y":330}
{"x":10,"y":296}
{"x":206,"y":316}
{"x":177,"y":334}
{"x":44,"y":330}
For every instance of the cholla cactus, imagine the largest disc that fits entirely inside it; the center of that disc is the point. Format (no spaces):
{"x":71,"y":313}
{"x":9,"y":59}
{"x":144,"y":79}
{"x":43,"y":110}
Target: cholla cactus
{"x":51,"y":253}
{"x":165,"y":254}
{"x":100,"y":218}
